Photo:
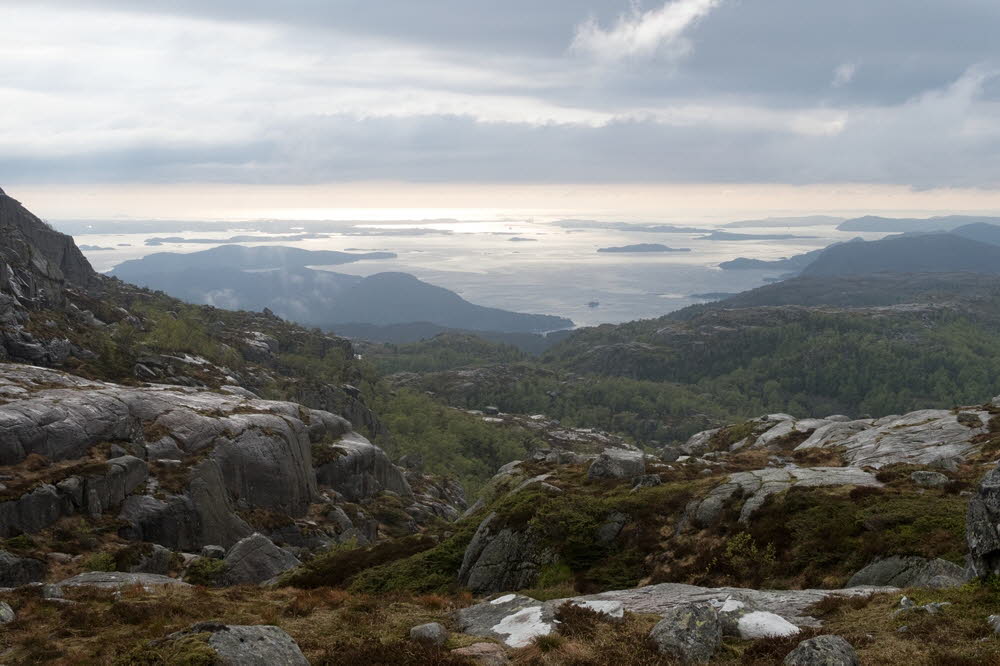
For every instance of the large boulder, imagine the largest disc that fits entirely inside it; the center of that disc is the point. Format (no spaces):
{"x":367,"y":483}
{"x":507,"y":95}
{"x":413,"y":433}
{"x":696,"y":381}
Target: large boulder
{"x":256,"y":560}
{"x":15,"y":571}
{"x":691,"y":634}
{"x":359,"y":470}
{"x":911,"y":571}
{"x":501,"y":558}
{"x":617,"y":464}
{"x":981,"y":526}
{"x":239,"y":645}
{"x":825,"y":650}
{"x":432,"y":633}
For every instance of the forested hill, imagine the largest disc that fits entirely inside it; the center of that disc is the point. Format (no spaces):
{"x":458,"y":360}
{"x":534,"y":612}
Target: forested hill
{"x":852,"y":345}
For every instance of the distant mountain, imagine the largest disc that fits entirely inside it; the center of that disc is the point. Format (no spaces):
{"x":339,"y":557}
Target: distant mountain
{"x":980,"y":231}
{"x":792,"y":264}
{"x":240,"y":258}
{"x":630,"y":226}
{"x":277,"y":278}
{"x":930,"y":253}
{"x":808,"y":221}
{"x":730,"y":236}
{"x":895,"y":225}
{"x":644,"y":247}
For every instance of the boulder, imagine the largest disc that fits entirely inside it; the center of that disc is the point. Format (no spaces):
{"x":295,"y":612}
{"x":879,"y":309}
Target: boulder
{"x":243,"y":645}
{"x":7,"y":614}
{"x":255,"y":560}
{"x":617,"y":464}
{"x":501,"y":558}
{"x":16,"y":571}
{"x":927,"y":479}
{"x":514,"y":619}
{"x":358,"y":470}
{"x":154,"y":559}
{"x":911,"y":571}
{"x":825,"y":650}
{"x":213,"y":552}
{"x":484,"y":654}
{"x":690,"y":634}
{"x":432,"y":633}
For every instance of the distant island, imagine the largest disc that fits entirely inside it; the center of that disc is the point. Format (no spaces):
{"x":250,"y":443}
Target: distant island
{"x":645,"y":247}
{"x":94,"y":248}
{"x":729,"y":236}
{"x":518,"y":239}
{"x":713,"y":295}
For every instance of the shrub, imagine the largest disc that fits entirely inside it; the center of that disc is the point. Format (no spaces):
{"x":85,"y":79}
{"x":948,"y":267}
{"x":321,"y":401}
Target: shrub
{"x":205,"y":571}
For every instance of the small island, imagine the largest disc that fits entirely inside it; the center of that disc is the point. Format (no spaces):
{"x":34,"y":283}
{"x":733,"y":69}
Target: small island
{"x":644,"y":247}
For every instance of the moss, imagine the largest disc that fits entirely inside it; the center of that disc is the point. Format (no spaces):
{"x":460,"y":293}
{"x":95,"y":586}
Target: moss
{"x":337,"y":566}
{"x":729,"y":435}
{"x":100,"y":562}
{"x":191,"y":650}
{"x":205,"y":571}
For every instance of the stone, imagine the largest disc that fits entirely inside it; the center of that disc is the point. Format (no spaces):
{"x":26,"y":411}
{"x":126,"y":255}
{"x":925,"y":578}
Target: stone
{"x":929,"y":479}
{"x":484,"y":654}
{"x":617,"y":464}
{"x":827,"y":650}
{"x":912,"y":571}
{"x":690,"y":634}
{"x":255,"y":560}
{"x":359,"y":470}
{"x":612,"y":526}
{"x":994,"y":622}
{"x":16,"y":571}
{"x":213,"y":552}
{"x":7,"y":614}
{"x":646,"y":481}
{"x":432,"y":633}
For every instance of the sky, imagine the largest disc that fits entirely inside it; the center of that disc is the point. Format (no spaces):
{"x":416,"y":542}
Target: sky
{"x":189,"y":107}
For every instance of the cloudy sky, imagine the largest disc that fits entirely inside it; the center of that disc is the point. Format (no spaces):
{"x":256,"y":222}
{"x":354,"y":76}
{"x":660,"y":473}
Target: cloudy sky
{"x":790,"y":97}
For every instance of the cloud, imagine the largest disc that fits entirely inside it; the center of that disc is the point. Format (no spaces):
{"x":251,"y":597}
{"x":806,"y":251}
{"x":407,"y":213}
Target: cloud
{"x":640,"y":33}
{"x":844,"y":74}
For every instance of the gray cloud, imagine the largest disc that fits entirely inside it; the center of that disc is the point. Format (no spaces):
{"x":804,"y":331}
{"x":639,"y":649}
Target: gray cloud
{"x":457,"y":90}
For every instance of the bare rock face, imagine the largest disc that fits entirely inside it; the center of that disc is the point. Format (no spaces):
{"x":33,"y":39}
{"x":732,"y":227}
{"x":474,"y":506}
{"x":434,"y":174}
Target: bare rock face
{"x":358,"y":469}
{"x":617,"y":464}
{"x":501,"y":558}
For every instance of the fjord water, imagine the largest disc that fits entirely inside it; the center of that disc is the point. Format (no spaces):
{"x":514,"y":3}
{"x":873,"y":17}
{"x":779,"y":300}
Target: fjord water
{"x":527,"y":266}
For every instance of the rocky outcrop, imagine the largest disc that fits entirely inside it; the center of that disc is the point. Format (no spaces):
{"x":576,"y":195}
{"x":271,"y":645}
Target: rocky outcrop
{"x":501,"y":558}
{"x":753,"y":488}
{"x":15,"y":571}
{"x":617,"y":464}
{"x":255,"y":560}
{"x":982,"y":526}
{"x":241,"y":645}
{"x":115,"y":580}
{"x":513,"y":619}
{"x":910,"y":572}
{"x":925,"y":437}
{"x":357,"y":469}
{"x":95,"y":490}
{"x":213,"y":461}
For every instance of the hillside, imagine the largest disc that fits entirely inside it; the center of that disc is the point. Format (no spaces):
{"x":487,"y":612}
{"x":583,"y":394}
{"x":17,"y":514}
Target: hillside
{"x":908,"y":254}
{"x":182,"y":483}
{"x":278,"y":278}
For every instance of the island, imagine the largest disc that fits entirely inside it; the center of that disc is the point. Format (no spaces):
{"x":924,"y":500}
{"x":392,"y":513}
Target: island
{"x":645,"y":247}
